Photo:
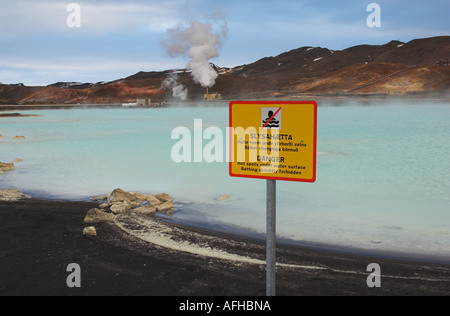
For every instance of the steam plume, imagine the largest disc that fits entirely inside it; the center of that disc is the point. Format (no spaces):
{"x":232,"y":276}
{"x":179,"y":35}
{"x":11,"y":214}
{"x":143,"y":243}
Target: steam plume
{"x":199,"y":43}
{"x":178,"y":90}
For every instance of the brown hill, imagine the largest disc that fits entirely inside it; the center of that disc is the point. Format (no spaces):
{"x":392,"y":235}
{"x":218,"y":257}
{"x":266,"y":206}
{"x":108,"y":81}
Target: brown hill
{"x":362,"y":69}
{"x":419,"y":52}
{"x":10,"y":94}
{"x":277,"y":75}
{"x":378,"y":70}
{"x":376,"y":78}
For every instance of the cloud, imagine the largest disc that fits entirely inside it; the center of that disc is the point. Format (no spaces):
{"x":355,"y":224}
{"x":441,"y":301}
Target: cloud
{"x":154,"y":16}
{"x":25,"y":17}
{"x":22,"y":16}
{"x":44,"y":72}
{"x":97,"y":65}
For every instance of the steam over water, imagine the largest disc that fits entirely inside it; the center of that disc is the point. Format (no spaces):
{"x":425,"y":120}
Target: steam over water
{"x":383,"y":172}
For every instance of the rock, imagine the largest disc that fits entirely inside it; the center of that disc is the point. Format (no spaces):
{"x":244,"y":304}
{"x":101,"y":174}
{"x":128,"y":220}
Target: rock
{"x":119,"y":195}
{"x":12,"y":196}
{"x":153,"y":200}
{"x":19,"y":115}
{"x":18,"y":160}
{"x":95,"y":216}
{"x":120,"y":208}
{"x":2,"y":136}
{"x":139,"y":196}
{"x":164,"y":197}
{"x":19,"y":137}
{"x":137,"y":204}
{"x":104,"y":206}
{"x":149,"y":210}
{"x":99,"y":198}
{"x":144,"y":199}
{"x":6,"y":166}
{"x":166,"y":208}
{"x":90,"y":231}
{"x":121,"y":202}
{"x":225,"y":197}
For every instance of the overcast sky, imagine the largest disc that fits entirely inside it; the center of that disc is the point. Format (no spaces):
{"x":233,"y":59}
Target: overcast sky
{"x":120,"y":38}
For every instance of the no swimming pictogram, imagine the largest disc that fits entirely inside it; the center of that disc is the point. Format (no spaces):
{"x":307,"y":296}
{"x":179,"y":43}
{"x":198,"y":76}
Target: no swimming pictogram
{"x":271,"y":118}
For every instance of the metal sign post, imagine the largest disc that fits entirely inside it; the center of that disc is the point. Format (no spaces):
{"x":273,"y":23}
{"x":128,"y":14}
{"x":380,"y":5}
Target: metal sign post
{"x":273,"y":140}
{"x":271,"y":237}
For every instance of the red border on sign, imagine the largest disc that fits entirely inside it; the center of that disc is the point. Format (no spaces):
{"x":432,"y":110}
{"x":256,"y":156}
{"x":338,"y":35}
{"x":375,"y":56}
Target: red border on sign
{"x":314,"y":103}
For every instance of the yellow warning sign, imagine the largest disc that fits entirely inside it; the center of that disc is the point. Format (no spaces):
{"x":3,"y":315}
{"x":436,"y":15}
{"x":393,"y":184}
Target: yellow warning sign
{"x":273,"y":140}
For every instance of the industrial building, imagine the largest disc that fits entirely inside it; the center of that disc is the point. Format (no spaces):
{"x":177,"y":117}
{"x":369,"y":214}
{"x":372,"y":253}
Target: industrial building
{"x":212,"y":96}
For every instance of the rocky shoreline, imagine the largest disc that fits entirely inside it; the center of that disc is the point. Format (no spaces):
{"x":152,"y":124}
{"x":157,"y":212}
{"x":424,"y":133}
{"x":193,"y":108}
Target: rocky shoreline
{"x":6,"y":166}
{"x":12,"y":196}
{"x":143,"y":255}
{"x":119,"y":202}
{"x":9,"y":166}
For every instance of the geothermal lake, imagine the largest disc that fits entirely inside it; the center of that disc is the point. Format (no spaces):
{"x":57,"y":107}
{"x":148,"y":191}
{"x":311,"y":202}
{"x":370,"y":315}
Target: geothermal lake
{"x":383,"y":173}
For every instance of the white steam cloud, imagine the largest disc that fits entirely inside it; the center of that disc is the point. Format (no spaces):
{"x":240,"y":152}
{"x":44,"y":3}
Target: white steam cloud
{"x":178,"y":90}
{"x":200,"y":43}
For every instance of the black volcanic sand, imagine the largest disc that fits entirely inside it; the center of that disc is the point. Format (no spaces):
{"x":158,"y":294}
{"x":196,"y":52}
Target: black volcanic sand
{"x":39,"y":239}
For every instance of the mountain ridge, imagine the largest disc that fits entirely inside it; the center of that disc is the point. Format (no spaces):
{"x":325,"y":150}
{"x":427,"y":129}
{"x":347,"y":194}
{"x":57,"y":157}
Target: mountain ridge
{"x":358,"y":70}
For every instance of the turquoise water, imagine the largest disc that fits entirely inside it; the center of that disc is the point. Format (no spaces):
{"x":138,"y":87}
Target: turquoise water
{"x":383,"y":172}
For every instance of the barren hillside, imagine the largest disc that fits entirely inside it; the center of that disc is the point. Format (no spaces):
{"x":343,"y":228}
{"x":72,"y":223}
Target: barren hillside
{"x":364,"y":69}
